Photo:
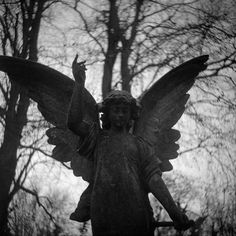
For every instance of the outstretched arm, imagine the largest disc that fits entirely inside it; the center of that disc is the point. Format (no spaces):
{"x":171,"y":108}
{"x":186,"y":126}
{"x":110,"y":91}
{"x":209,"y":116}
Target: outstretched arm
{"x":76,"y":110}
{"x":160,"y":191}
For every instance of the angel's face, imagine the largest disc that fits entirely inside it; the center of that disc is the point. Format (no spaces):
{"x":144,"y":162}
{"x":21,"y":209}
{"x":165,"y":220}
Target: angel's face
{"x":119,"y":115}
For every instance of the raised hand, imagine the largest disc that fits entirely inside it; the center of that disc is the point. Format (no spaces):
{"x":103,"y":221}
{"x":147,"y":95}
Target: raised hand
{"x":78,"y":69}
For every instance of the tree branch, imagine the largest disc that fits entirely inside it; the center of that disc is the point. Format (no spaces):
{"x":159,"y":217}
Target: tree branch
{"x":35,"y":194}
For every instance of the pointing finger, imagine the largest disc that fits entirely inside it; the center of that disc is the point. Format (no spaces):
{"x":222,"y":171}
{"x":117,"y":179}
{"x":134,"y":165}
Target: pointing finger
{"x":75,"y":60}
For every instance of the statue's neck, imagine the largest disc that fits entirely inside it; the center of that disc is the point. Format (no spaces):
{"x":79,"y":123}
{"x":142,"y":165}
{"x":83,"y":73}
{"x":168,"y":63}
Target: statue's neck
{"x":117,"y":130}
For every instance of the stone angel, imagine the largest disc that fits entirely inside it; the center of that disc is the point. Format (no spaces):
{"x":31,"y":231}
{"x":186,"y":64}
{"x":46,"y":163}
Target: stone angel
{"x":123,"y":155}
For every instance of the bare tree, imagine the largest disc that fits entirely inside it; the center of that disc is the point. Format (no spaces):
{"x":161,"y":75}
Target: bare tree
{"x":147,"y":37}
{"x":20,"y":26}
{"x":29,"y":217}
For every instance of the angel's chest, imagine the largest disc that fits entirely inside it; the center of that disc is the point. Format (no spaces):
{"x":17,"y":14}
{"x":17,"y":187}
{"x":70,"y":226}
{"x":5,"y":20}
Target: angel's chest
{"x":117,"y":152}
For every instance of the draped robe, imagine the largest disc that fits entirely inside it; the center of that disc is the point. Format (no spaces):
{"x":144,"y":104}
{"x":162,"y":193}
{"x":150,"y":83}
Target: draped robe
{"x":123,"y":166}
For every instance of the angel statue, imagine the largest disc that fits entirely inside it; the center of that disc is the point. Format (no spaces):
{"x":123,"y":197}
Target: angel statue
{"x":123,"y":156}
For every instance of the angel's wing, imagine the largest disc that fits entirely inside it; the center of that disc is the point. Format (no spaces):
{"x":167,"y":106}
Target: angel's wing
{"x":52,"y":91}
{"x":163,"y":105}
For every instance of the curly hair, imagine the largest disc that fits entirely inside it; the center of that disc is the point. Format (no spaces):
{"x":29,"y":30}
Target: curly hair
{"x":116,"y":97}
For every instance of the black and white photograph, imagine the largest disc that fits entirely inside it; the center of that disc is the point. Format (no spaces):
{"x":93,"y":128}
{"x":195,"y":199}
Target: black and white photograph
{"x":117,"y":118}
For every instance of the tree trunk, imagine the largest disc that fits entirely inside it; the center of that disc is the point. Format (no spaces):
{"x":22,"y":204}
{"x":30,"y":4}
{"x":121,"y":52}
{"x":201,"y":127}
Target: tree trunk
{"x":15,"y":121}
{"x":107,"y":73}
{"x":125,"y":73}
{"x":16,"y":115}
{"x":113,"y":31}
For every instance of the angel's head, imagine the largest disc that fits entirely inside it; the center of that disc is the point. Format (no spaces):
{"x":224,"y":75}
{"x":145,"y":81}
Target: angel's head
{"x":119,"y":108}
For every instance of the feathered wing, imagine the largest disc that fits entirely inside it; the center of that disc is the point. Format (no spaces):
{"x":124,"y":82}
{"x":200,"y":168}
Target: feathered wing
{"x":163,"y":105}
{"x":52,"y":91}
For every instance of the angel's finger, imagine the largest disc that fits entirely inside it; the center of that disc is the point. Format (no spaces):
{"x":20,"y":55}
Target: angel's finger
{"x":75,"y":60}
